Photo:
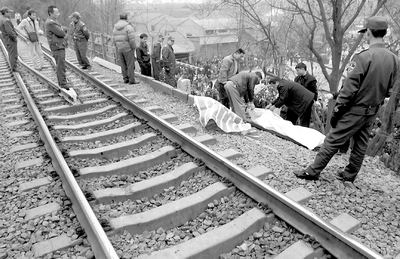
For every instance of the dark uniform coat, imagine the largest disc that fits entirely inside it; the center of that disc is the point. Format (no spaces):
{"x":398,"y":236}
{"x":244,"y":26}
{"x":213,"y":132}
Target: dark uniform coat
{"x":309,"y":82}
{"x":156,"y":58}
{"x":143,"y":58}
{"x":364,"y":90}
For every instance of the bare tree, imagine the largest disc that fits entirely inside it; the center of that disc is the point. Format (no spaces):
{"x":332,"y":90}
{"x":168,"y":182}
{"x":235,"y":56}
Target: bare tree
{"x":336,"y":18}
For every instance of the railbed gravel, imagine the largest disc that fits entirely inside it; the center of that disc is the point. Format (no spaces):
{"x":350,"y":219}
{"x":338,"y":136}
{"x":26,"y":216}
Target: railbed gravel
{"x":219,"y":212}
{"x":150,"y":146}
{"x":375,"y":183}
{"x":194,"y":184}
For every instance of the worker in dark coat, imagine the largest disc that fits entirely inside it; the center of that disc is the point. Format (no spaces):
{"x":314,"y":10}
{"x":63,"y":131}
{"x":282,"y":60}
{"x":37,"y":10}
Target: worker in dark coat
{"x":241,"y":87}
{"x":143,"y":56}
{"x":296,"y":98}
{"x":363,"y":92}
{"x":229,"y":67}
{"x":310,"y":83}
{"x":56,"y":37}
{"x":80,"y":35}
{"x":169,"y":62}
{"x":156,"y":57}
{"x":9,"y":36}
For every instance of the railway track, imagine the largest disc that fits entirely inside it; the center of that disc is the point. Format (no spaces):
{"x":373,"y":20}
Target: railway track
{"x":158,"y":191}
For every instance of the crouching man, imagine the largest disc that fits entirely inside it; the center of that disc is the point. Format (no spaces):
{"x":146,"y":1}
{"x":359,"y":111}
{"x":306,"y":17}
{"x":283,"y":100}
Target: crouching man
{"x":240,"y":91}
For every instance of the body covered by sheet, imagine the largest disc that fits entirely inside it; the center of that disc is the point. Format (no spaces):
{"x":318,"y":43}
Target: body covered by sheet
{"x":266,"y":119}
{"x":228,"y":121}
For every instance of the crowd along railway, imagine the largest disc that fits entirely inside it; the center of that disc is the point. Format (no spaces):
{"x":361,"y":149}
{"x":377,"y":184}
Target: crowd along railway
{"x":176,"y":198}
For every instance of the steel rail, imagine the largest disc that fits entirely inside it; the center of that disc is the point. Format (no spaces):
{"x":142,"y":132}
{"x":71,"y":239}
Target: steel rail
{"x":331,"y":238}
{"x":98,"y":239}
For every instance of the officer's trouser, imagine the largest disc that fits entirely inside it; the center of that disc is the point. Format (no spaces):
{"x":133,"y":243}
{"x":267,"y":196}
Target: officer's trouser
{"x":80,"y":47}
{"x":223,"y":97}
{"x":305,"y":118}
{"x":127,"y":63}
{"x":36,"y":54}
{"x":235,"y":100}
{"x":350,"y":125}
{"x":59,"y":56}
{"x":12,"y":54}
{"x":156,"y":69}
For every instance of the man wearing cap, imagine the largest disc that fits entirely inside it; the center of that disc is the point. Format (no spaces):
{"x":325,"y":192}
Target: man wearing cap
{"x":27,"y":27}
{"x":124,"y":40}
{"x":310,"y":83}
{"x":143,"y":56}
{"x":156,"y":57}
{"x":9,"y":36}
{"x":169,"y":62}
{"x":364,"y":90}
{"x":80,"y":36}
{"x":56,"y":36}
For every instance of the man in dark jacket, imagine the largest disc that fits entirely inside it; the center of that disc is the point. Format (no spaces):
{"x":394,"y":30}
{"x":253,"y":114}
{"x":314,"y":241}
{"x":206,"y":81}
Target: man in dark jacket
{"x":169,"y":62}
{"x":124,"y":39}
{"x":80,"y":36}
{"x":297,"y":98}
{"x":9,"y":36}
{"x":239,"y":87}
{"x":143,"y":56}
{"x":156,"y":57}
{"x":56,"y":34}
{"x":229,"y":67}
{"x":310,"y":83}
{"x":364,"y":90}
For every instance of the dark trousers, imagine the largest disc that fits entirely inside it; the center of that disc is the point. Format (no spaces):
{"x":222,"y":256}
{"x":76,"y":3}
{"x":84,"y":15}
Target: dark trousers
{"x":170,"y":78}
{"x":12,"y":49}
{"x":80,"y":47}
{"x":156,"y":69}
{"x":145,"y":68}
{"x":305,"y":117}
{"x":127,"y":63}
{"x":59,"y":56}
{"x":350,"y":125}
{"x":223,"y":96}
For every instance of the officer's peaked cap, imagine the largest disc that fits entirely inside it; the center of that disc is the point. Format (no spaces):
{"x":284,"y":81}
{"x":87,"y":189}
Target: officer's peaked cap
{"x":76,"y":15}
{"x":375,"y":23}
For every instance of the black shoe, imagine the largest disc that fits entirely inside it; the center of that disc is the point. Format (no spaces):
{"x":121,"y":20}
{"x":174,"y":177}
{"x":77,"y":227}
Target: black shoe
{"x":134,"y":83}
{"x":340,"y":176}
{"x":302,"y":174}
{"x":86,"y":67}
{"x":126,"y":81}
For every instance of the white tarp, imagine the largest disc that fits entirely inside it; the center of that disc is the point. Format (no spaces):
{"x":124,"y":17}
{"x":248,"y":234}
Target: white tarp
{"x":265,"y":119}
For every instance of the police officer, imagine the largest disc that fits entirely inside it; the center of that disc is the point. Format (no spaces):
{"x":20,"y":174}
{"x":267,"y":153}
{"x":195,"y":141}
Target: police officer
{"x":169,"y":62}
{"x":363,"y":92}
{"x":80,"y":36}
{"x":143,"y":56}
{"x":9,"y":36}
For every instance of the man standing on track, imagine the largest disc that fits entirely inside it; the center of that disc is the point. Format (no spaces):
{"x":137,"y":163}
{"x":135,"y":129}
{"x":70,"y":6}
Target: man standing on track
{"x":29,"y":26}
{"x":143,"y":56}
{"x":156,"y":57}
{"x":56,"y":34}
{"x":80,"y":36}
{"x":364,"y":90}
{"x":9,"y":36}
{"x":229,"y":68}
{"x":124,"y":39}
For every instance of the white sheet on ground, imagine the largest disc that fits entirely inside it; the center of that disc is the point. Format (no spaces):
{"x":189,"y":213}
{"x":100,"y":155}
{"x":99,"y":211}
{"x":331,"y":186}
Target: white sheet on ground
{"x":226,"y":120}
{"x":266,"y":119}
